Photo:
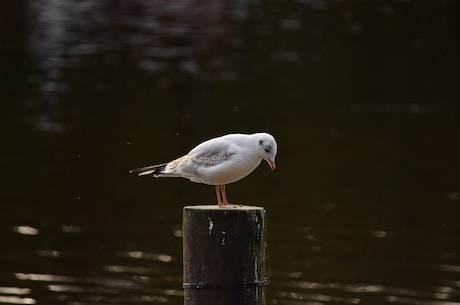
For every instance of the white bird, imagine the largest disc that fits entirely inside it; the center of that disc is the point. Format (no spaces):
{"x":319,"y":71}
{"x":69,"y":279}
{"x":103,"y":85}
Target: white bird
{"x":219,"y":161}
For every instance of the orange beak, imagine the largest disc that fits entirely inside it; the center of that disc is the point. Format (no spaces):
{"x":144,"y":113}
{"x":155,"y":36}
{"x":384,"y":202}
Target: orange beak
{"x":272,"y":165}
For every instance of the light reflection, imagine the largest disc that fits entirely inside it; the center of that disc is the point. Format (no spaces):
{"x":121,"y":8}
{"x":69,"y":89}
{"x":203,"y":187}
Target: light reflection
{"x":379,"y":234}
{"x":16,"y":300}
{"x":154,"y":299}
{"x":141,"y":278}
{"x":415,"y":293}
{"x":363,"y":288}
{"x":126,"y":269}
{"x":26,"y":230}
{"x":295,"y":275}
{"x":80,"y":289}
{"x":405,"y":300}
{"x":453,"y":196}
{"x":65,"y":288}
{"x":356,"y":288}
{"x":14,"y":290}
{"x":320,"y":298}
{"x":165,"y":258}
{"x":112,"y":283}
{"x":70,"y":229}
{"x":178,"y":233}
{"x":171,"y":292}
{"x":43,"y":277}
{"x":49,"y":253}
{"x":142,"y":299}
{"x":440,"y":294}
{"x":347,"y":300}
{"x":445,"y":289}
{"x":449,"y":268}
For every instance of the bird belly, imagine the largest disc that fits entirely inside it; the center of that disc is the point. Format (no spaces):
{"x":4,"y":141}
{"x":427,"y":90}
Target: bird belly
{"x":225,"y":173}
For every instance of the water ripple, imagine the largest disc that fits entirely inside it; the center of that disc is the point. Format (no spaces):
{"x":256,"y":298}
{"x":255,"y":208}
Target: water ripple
{"x":16,"y":300}
{"x":340,"y":293}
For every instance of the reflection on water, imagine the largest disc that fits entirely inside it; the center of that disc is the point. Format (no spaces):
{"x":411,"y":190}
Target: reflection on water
{"x":174,"y":40}
{"x":26,"y":230}
{"x":362,"y":98}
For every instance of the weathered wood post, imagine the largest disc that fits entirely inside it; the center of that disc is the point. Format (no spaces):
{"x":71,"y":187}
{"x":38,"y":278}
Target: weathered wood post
{"x":224,"y":255}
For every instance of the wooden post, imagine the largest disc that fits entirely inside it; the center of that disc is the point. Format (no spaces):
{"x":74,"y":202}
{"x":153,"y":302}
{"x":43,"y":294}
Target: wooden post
{"x":224,"y":255}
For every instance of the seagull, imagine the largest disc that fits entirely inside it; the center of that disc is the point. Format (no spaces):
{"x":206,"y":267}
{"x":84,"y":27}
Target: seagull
{"x":219,"y":161}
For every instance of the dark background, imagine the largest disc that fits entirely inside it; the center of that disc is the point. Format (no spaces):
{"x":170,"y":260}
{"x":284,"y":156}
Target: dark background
{"x":362,"y":97}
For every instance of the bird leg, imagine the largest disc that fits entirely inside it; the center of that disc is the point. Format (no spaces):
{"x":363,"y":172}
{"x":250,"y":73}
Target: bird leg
{"x":224,"y":195}
{"x":219,"y":198}
{"x":225,"y":201}
{"x":222,"y":201}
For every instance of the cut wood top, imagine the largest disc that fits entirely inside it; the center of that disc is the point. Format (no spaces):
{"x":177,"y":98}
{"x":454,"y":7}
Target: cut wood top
{"x":210,"y":207}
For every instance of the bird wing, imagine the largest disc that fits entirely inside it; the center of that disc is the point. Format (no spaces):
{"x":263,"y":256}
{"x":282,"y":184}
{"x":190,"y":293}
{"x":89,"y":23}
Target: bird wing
{"x":212,"y":152}
{"x":207,"y":154}
{"x":209,"y":160}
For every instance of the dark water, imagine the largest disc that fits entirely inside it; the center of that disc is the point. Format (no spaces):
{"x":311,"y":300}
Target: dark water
{"x":362,"y":97}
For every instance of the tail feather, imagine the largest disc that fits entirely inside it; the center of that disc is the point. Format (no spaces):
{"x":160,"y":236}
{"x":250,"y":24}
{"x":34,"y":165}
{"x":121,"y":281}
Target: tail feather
{"x":154,"y":170}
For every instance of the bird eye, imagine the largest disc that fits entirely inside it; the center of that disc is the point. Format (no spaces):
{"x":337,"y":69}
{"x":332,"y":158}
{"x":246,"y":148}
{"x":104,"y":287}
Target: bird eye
{"x":268,"y":149}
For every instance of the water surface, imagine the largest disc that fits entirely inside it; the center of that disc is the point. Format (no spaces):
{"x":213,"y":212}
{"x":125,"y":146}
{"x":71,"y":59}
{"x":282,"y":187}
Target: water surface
{"x":361,"y":96}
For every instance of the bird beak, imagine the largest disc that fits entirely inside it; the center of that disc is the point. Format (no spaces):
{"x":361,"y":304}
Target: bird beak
{"x":272,"y":165}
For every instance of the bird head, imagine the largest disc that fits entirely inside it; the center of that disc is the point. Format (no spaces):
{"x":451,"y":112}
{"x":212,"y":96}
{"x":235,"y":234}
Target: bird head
{"x":267,"y":148}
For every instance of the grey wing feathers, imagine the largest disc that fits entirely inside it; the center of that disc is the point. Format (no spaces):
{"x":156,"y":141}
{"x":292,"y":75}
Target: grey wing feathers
{"x":149,"y":170}
{"x":210,"y":160}
{"x":212,"y":152}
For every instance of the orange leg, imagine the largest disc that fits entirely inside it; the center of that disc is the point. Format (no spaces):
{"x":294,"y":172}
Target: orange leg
{"x":219,"y":198}
{"x":225,"y":201}
{"x":224,"y":195}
